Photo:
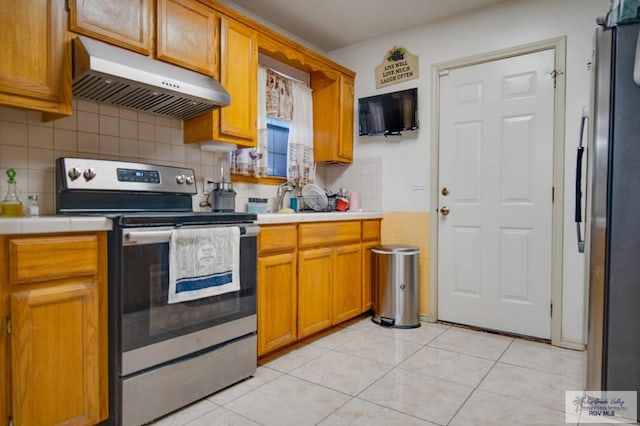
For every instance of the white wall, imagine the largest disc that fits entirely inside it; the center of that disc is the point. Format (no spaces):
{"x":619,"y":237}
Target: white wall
{"x":406,"y":159}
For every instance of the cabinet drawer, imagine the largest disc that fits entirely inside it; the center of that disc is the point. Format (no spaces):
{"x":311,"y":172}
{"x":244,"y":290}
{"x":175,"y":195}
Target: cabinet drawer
{"x":277,"y":238}
{"x":370,"y":230}
{"x":325,"y":233}
{"x":48,"y":258}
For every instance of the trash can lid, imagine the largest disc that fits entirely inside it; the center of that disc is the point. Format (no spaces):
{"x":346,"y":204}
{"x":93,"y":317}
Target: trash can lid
{"x":395,"y":249}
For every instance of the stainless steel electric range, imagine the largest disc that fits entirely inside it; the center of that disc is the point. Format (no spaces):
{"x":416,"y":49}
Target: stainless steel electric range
{"x":162,"y":356}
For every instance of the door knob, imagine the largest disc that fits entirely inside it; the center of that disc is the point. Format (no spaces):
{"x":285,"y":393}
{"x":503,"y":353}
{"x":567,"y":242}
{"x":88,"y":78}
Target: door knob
{"x":445,"y":191}
{"x":444,"y":211}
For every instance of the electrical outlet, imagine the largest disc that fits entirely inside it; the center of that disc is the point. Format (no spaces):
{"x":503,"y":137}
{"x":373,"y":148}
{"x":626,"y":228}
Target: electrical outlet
{"x":208,"y":185}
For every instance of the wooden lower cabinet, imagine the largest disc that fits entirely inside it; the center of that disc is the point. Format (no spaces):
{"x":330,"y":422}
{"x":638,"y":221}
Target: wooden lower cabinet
{"x":277,"y":301}
{"x":347,"y":282}
{"x":55,"y":354}
{"x":314,"y":290}
{"x":54,"y":348}
{"x":330,"y":285}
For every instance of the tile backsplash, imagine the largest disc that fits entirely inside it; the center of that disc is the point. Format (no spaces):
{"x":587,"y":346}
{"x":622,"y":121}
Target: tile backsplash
{"x":364,"y":176}
{"x":101,"y":131}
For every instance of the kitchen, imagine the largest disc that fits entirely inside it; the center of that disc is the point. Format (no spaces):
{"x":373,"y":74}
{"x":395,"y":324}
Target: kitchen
{"x":391,"y":175}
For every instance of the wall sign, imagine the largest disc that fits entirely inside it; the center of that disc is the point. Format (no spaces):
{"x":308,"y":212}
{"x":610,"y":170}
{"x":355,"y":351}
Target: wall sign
{"x":397,"y":66}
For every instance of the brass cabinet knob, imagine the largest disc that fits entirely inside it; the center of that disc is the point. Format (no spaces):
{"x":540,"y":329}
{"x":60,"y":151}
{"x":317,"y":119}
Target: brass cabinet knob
{"x":445,"y":191}
{"x":444,"y":211}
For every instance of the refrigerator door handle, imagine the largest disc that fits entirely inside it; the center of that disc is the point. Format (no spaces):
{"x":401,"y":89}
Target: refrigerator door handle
{"x":636,"y":67}
{"x":578,"y":189}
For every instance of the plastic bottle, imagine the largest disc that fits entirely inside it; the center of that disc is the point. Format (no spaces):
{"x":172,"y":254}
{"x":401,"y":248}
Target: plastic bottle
{"x":11,"y":206}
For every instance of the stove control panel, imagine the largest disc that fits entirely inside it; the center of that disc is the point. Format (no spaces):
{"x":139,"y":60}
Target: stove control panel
{"x":144,"y":176}
{"x":91,"y":174}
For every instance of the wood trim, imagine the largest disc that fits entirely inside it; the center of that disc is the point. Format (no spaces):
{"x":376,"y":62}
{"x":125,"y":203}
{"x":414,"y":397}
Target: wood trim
{"x":269,"y":180}
{"x":270,"y":42}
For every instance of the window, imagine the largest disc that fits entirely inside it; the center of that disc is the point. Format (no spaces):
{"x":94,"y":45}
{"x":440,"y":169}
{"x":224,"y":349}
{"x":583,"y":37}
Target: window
{"x":269,"y":162}
{"x":277,"y":137}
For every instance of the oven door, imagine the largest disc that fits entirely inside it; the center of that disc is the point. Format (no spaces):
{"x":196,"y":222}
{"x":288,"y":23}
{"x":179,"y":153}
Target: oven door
{"x":154,"y":332}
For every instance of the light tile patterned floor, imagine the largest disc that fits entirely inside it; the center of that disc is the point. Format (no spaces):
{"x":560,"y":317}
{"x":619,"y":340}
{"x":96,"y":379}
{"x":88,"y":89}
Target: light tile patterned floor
{"x":363,"y":374}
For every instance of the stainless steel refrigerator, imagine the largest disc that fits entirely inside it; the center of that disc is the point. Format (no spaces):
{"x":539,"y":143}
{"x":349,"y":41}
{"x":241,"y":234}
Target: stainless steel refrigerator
{"x":612,"y":212}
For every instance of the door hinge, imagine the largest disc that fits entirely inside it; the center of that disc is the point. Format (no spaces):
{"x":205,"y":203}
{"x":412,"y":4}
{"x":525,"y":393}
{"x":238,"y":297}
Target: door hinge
{"x":67,"y":7}
{"x":7,"y":325}
{"x":9,"y":421}
{"x":553,"y":194}
{"x":554,"y":74}
{"x":551,"y":309}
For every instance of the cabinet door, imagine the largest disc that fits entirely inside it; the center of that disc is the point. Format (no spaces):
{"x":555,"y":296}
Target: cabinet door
{"x":347,"y":282}
{"x":125,"y":23}
{"x":345,"y":145}
{"x":238,"y":122}
{"x":55,"y":354}
{"x":187,"y":35}
{"x":277,"y":301}
{"x":332,"y":117}
{"x":367,"y":284}
{"x":35,"y":69}
{"x":239,"y":75}
{"x":314,"y":290}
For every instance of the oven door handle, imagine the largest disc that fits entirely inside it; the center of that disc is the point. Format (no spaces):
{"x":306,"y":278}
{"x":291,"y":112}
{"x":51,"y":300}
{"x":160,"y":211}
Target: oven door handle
{"x":146,"y":237}
{"x":153,"y":237}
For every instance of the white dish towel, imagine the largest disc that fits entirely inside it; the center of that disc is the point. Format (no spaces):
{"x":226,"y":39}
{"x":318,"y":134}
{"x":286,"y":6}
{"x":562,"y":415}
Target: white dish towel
{"x":203,"y":262}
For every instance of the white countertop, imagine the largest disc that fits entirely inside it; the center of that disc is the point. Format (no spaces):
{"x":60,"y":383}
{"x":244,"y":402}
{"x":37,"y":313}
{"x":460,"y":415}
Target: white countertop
{"x":269,"y":218}
{"x":49,"y":224}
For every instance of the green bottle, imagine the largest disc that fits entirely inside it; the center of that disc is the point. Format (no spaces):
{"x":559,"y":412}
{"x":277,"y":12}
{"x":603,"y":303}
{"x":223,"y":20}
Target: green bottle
{"x":11,"y":205}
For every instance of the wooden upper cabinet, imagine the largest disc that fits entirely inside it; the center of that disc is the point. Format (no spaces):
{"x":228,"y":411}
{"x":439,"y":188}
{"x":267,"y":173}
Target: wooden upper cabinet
{"x":35,"y":69}
{"x":345,"y":141}
{"x":125,"y":23}
{"x":333,"y":111}
{"x":187,"y":35}
{"x":239,"y":75}
{"x":238,"y":122}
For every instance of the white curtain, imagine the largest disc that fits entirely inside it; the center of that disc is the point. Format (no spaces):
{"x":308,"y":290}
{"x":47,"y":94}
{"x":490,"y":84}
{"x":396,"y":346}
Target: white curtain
{"x":300,"y":162}
{"x":255,"y":161}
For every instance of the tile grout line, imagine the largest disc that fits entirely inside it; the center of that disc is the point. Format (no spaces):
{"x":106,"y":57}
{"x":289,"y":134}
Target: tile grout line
{"x":480,"y":382}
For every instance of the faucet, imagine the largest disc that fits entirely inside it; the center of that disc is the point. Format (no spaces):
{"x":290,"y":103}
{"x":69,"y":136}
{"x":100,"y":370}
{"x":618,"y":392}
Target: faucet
{"x":283,"y":189}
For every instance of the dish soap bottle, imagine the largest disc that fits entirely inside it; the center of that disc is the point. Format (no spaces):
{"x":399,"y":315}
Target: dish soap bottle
{"x":11,"y":205}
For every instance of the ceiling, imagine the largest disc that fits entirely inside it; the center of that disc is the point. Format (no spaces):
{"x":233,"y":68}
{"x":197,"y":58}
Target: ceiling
{"x":331,"y":24}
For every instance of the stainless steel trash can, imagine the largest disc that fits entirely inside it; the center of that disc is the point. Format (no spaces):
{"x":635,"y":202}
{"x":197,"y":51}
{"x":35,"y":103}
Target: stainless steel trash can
{"x":395,"y":286}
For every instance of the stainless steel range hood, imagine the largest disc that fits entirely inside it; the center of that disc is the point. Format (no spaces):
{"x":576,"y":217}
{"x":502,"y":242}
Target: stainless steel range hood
{"x":112,"y":75}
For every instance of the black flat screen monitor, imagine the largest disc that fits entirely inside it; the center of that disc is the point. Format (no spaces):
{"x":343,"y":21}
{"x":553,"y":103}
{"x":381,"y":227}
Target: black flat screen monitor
{"x":388,"y":113}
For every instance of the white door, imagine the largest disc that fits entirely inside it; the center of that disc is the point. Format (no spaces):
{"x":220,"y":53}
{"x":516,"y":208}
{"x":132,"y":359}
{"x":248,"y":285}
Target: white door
{"x":496,"y":163}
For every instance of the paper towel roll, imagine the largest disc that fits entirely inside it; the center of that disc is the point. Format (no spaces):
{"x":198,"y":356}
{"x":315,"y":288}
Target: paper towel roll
{"x":354,"y":201}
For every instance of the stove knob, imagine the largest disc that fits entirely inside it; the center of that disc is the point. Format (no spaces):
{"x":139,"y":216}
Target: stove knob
{"x":180,"y":179}
{"x":189,"y":180}
{"x":74,"y":173}
{"x":89,"y":174}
